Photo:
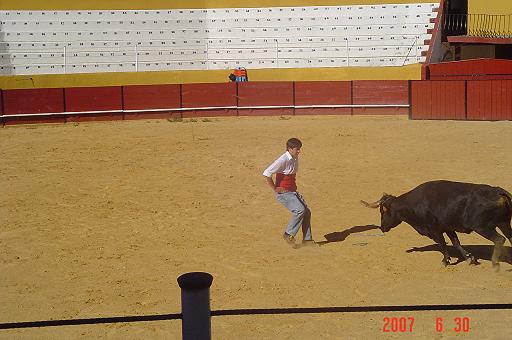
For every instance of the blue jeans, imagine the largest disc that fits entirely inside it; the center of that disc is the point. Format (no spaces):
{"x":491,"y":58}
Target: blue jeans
{"x":301,"y":215}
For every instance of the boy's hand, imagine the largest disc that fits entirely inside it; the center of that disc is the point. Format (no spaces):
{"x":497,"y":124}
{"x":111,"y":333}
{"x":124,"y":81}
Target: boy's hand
{"x":280,"y":190}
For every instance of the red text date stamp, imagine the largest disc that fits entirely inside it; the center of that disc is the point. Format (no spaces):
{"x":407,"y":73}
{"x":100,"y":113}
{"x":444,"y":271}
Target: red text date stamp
{"x":405,"y":324}
{"x":398,"y":324}
{"x":458,"y":324}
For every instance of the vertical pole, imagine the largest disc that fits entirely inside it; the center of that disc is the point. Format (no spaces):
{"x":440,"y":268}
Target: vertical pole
{"x":277,"y":52}
{"x":207,"y":54}
{"x":136,"y":58}
{"x":195,"y":305}
{"x":348,"y":52}
{"x":416,"y":46}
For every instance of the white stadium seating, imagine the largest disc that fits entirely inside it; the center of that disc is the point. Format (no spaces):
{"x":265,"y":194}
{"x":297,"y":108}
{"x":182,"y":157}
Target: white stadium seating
{"x":39,"y":42}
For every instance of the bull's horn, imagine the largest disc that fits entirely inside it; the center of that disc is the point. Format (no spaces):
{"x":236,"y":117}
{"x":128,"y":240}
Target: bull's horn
{"x":371,"y":205}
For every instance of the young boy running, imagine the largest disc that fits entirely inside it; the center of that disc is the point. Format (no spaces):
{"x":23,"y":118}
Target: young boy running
{"x":285,"y":168}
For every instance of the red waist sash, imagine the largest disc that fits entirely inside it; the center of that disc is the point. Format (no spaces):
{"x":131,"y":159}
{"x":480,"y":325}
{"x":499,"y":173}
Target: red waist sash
{"x":286,"y":181}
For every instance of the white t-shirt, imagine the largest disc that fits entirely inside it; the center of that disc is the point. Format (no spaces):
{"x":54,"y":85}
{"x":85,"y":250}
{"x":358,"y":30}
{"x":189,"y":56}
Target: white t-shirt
{"x":285,"y":164}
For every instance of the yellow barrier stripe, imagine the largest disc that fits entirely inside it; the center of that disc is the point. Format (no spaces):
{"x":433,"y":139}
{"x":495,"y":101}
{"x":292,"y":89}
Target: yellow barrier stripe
{"x":408,"y":72}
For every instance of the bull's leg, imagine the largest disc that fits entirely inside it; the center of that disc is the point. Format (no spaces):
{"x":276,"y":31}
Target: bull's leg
{"x":507,"y":231}
{"x":455,"y":241}
{"x":492,"y":235}
{"x":439,"y":238}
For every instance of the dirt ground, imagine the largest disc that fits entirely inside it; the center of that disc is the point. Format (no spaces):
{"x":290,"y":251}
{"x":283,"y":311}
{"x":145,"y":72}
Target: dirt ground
{"x":99,"y":219}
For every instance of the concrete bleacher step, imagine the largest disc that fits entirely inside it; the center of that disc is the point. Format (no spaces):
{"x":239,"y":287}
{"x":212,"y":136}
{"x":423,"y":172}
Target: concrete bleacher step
{"x":310,"y":36}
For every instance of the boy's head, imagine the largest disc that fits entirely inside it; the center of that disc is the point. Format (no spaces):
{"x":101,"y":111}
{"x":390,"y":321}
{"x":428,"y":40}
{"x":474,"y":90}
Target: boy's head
{"x":293,"y":146}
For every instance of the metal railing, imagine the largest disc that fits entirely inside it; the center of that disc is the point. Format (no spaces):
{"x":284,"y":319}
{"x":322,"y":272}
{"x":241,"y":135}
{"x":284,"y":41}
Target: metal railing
{"x":478,"y":25}
{"x":134,"y":58}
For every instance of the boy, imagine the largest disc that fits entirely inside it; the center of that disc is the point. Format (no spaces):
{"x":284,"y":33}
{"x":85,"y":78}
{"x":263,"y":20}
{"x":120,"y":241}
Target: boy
{"x":285,"y":188}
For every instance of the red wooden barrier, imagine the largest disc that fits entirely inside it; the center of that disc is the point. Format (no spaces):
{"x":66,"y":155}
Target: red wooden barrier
{"x":323,"y":93}
{"x":27,"y":101}
{"x":208,"y":95}
{"x":476,"y":69}
{"x":148,"y":97}
{"x":489,"y":100}
{"x":82,"y":99}
{"x":438,"y":100}
{"x":384,"y":92}
{"x":32,"y":101}
{"x":474,"y":100}
{"x":265,"y":94}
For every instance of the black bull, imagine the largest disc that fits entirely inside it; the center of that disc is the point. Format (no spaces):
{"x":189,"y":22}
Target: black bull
{"x":438,"y":207}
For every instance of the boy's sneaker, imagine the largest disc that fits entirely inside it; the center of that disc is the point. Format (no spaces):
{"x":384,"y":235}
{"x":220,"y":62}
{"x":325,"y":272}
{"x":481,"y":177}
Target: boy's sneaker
{"x":289,"y":239}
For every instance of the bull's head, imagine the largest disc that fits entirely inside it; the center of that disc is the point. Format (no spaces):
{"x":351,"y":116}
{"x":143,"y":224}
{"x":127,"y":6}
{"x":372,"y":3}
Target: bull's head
{"x":388,"y":214}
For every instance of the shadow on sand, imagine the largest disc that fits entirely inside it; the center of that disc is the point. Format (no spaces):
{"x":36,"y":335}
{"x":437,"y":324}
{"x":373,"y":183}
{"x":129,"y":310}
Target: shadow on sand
{"x":479,"y":251}
{"x":339,"y":236}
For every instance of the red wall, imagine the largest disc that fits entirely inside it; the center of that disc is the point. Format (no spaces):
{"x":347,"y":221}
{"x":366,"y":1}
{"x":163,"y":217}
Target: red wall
{"x":148,"y":97}
{"x":461,"y":99}
{"x":490,"y":100}
{"x":265,"y":94}
{"x":208,"y":95}
{"x":81,"y":99}
{"x":438,"y":100}
{"x":323,"y":93}
{"x":181,"y":100}
{"x":27,"y":101}
{"x":475,"y":69}
{"x":380,"y":92}
{"x":33,"y":101}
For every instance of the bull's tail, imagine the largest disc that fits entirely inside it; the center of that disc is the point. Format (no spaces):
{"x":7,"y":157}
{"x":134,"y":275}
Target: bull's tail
{"x":506,"y":198}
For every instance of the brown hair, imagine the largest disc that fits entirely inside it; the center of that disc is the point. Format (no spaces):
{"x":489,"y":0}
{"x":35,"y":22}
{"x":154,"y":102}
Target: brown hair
{"x":293,"y":143}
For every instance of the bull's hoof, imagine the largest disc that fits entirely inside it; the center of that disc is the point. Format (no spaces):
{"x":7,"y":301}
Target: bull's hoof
{"x":496,"y":267}
{"x":445,"y":262}
{"x":471,"y":260}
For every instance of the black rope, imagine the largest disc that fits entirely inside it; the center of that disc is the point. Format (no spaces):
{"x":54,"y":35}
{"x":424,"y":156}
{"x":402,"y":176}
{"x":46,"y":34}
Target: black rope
{"x":51,"y":323}
{"x":257,"y":311}
{"x":359,"y":309}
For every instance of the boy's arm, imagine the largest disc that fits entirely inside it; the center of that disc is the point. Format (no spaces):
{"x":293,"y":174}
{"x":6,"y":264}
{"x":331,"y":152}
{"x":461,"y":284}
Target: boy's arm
{"x":275,"y":167}
{"x":271,"y":184}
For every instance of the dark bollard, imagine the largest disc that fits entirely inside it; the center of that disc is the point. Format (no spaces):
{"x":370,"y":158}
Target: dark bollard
{"x":195,"y":305}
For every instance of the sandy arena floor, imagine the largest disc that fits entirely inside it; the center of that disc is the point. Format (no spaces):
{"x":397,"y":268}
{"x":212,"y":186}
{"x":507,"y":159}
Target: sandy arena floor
{"x":99,"y":219}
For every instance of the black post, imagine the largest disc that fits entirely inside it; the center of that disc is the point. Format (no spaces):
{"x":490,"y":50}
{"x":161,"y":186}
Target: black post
{"x":195,"y":305}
